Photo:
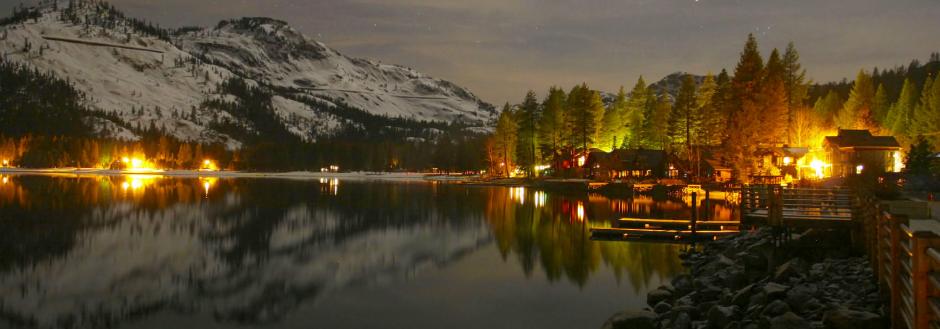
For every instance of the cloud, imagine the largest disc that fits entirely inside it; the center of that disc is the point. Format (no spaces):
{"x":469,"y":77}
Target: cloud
{"x":501,"y":48}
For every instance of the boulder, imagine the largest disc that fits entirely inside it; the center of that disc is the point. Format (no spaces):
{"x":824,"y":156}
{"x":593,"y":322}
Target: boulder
{"x":793,"y":268}
{"x":775,"y":290}
{"x":631,"y":320}
{"x":743,"y":296}
{"x":843,"y":318}
{"x":682,"y":321}
{"x":682,"y":284}
{"x":720,"y":316}
{"x":800,"y":294}
{"x":776,"y":308}
{"x":662,"y":307}
{"x":658,"y":295}
{"x":789,"y":320}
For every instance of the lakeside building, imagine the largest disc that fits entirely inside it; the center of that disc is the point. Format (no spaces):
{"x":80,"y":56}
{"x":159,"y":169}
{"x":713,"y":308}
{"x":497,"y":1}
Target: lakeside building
{"x":633,"y":165}
{"x":853,"y":152}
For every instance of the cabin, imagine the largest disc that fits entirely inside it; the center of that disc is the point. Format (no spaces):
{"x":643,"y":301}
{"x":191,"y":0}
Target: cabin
{"x":632,"y":164}
{"x":854,"y":152}
{"x":780,"y":162}
{"x":717,"y":171}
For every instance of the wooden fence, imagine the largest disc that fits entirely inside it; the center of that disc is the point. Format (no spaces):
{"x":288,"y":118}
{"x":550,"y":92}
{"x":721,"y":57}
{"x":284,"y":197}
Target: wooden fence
{"x":906,"y":262}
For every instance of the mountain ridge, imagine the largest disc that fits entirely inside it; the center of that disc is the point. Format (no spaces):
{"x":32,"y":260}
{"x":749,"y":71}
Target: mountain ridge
{"x":313,"y":90}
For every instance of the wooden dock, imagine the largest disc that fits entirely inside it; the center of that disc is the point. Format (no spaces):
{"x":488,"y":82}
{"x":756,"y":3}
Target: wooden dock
{"x":669,"y":229}
{"x":691,"y":229}
{"x":798,"y":207}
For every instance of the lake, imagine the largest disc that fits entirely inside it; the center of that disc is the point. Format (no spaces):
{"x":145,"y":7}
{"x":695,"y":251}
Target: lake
{"x":150,"y":252}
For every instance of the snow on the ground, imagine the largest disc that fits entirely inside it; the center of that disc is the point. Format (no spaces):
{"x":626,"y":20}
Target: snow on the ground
{"x":164,"y":89}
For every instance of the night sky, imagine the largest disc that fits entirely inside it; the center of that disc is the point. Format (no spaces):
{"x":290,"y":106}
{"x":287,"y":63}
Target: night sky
{"x":501,"y":48}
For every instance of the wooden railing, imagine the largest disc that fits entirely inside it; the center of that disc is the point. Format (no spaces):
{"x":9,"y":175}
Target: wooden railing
{"x":798,"y":207}
{"x":907,"y":264}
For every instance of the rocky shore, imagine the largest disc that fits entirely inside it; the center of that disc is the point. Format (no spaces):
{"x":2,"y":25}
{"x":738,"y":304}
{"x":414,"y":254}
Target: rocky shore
{"x":814,"y":280}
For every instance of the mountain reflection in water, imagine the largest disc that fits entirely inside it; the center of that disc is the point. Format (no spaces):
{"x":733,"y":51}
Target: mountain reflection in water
{"x":119,"y":251}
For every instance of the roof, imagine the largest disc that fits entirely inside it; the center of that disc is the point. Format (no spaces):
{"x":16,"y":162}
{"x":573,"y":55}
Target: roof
{"x":716,"y":165}
{"x":862,"y":139}
{"x":630,"y":159}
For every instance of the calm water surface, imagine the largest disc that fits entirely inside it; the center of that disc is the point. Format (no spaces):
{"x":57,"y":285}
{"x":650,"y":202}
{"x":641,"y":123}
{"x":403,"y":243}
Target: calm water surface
{"x":141,"y":252}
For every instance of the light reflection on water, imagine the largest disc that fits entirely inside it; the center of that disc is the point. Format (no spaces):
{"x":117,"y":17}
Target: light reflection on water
{"x":128,"y":251}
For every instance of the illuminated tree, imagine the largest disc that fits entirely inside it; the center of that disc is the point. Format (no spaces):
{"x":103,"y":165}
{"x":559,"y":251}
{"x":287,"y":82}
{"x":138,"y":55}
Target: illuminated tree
{"x":635,"y":114}
{"x":613,"y":128}
{"x":551,"y":127}
{"x":527,"y":118}
{"x":584,"y":116}
{"x":857,"y":113}
{"x":796,"y":92}
{"x":744,"y":106}
{"x":898,"y":119}
{"x":504,"y":141}
{"x":659,"y":122}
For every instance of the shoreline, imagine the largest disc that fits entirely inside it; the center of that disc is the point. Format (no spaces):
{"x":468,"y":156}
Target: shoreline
{"x":298,"y":175}
{"x":746,"y":282}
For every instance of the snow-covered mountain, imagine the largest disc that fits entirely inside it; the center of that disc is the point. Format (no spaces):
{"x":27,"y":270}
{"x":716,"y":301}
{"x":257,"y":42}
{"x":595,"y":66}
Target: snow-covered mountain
{"x":148,"y":76}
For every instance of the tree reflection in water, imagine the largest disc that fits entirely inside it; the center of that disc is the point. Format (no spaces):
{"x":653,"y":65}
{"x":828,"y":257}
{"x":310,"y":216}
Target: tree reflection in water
{"x":99,"y":251}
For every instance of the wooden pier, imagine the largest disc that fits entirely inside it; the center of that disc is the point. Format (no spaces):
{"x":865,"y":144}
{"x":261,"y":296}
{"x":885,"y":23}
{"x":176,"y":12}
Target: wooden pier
{"x":798,"y":207}
{"x":692,"y":229}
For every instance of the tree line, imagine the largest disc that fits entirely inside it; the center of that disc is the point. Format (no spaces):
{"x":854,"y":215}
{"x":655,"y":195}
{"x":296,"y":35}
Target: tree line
{"x":727,"y":116}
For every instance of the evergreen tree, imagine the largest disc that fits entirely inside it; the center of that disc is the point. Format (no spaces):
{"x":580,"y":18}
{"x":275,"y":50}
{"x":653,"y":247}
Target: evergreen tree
{"x":744,"y":131}
{"x":613,"y":128}
{"x":551,"y":127}
{"x":773,"y":117}
{"x":918,"y":161}
{"x":707,"y":113}
{"x":658,"y":123}
{"x":926,"y":117}
{"x":584,"y":116}
{"x":527,"y":118}
{"x":880,"y":105}
{"x":721,"y":102}
{"x":796,"y":92}
{"x":827,"y":108}
{"x":898,"y":120}
{"x":684,"y":119}
{"x":635,"y":115}
{"x":857,"y":113}
{"x":504,"y":142}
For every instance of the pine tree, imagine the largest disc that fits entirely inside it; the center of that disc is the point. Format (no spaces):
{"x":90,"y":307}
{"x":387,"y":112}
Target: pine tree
{"x":504,"y":141}
{"x":898,"y":120}
{"x":707,"y":112}
{"x":796,"y":92}
{"x":880,"y":105}
{"x":926,"y":118}
{"x":721,"y":101}
{"x":856,"y":113}
{"x":744,"y":106}
{"x":773,"y":116}
{"x":827,"y":108}
{"x":527,"y":119}
{"x":683,"y":119}
{"x":585,"y":112}
{"x":551,"y":126}
{"x":613,"y":128}
{"x":635,"y":115}
{"x":658,"y":123}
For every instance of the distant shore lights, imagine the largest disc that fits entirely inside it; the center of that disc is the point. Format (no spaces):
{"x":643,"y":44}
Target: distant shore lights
{"x":209,"y":165}
{"x":137,"y":164}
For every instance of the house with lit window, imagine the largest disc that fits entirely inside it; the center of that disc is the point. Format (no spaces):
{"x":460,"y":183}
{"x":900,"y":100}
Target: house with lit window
{"x":633,"y":165}
{"x":854,"y":152}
